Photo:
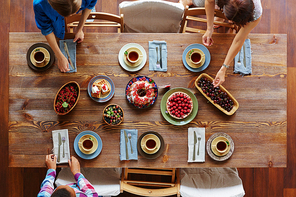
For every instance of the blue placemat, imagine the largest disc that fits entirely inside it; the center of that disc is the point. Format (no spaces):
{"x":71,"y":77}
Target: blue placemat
{"x":72,"y":51}
{"x":243,"y":60}
{"x":153,"y":55}
{"x":130,"y":143}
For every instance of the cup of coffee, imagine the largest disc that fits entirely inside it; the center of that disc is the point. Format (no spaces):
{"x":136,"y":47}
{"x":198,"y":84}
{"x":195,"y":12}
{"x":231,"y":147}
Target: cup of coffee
{"x":87,"y":144}
{"x":197,"y":56}
{"x":133,"y":56}
{"x":40,"y":58}
{"x":221,"y":146}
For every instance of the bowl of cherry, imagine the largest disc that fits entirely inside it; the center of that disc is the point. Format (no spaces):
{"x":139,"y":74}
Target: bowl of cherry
{"x":218,"y":96}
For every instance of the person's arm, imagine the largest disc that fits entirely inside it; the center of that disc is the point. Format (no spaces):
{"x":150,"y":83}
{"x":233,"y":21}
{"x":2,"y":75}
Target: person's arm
{"x":235,"y":47}
{"x":63,"y":63}
{"x":79,"y":36}
{"x":83,"y":184}
{"x":210,"y":10}
{"x":47,"y":186}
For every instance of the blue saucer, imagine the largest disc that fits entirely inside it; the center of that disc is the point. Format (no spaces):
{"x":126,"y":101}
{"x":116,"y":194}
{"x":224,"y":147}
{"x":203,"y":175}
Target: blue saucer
{"x":90,"y":156}
{"x":207,"y":55}
{"x":111,"y":93}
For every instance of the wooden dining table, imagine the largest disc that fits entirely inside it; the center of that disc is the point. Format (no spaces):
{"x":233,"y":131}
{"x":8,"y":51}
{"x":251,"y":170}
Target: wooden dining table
{"x":258,"y":128}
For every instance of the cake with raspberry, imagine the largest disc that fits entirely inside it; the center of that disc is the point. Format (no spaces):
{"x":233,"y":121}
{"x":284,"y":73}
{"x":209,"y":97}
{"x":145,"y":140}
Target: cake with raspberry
{"x":179,"y":105}
{"x":141,"y":92}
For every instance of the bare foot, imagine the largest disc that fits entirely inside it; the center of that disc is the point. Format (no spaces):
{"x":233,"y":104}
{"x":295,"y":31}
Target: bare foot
{"x":186,"y":2}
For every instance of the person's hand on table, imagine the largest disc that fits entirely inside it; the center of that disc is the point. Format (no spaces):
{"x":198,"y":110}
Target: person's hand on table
{"x":207,"y":38}
{"x":51,"y":161}
{"x":220,"y":77}
{"x":79,"y":36}
{"x":63,"y":64}
{"x":74,"y":165}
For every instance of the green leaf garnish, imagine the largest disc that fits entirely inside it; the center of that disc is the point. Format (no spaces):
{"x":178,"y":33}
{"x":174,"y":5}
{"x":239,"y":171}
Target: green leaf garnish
{"x":91,"y":138}
{"x":125,"y":52}
{"x":227,"y":143}
{"x":65,"y":104}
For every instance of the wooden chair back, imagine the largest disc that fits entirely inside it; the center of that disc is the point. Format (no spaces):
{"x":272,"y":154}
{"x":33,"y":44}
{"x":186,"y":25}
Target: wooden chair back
{"x":199,"y":15}
{"x":98,"y":19}
{"x":165,"y":182}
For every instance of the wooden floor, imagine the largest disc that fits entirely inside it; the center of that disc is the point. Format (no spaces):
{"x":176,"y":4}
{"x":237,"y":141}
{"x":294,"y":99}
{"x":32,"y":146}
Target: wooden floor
{"x":278,"y":17}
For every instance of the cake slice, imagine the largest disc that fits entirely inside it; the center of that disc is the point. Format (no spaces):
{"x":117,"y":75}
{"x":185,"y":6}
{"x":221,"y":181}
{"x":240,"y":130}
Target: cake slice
{"x":96,"y":91}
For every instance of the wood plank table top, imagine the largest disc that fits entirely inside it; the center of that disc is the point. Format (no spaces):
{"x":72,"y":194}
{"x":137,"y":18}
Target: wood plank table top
{"x":258,"y":128}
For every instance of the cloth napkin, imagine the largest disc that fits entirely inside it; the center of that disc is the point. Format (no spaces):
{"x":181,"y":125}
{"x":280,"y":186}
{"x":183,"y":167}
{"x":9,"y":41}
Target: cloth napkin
{"x":133,"y":142}
{"x":55,"y":139}
{"x":200,"y":132}
{"x":245,"y":67}
{"x":153,"y":55}
{"x":72,"y":51}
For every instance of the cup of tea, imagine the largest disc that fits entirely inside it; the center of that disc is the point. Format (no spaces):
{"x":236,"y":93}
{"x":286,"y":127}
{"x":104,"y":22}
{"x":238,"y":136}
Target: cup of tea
{"x":150,"y":143}
{"x":40,"y":58}
{"x":133,"y":56}
{"x":221,"y":146}
{"x":197,"y":56}
{"x":86,"y":144}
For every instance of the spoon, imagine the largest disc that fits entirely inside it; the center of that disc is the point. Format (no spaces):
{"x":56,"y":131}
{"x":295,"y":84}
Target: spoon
{"x":129,"y":135}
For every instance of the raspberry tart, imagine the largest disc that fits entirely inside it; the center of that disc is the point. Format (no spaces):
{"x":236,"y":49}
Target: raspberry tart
{"x":179,"y":105}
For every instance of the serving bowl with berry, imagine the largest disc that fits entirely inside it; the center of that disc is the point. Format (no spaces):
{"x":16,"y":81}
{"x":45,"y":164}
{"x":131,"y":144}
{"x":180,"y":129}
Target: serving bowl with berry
{"x":66,"y":98}
{"x":218,"y":96}
{"x":113,"y":114}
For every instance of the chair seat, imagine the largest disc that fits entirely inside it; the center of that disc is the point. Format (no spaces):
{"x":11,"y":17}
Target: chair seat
{"x":151,"y":16}
{"x":213,"y":182}
{"x":106,"y":181}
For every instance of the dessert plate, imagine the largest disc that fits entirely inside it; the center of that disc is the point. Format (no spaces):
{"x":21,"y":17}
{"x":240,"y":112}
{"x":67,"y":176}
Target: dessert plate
{"x":103,"y":98}
{"x":172,"y":120}
{"x":121,"y":57}
{"x":141,"y":78}
{"x":88,"y":156}
{"x":207,"y":57}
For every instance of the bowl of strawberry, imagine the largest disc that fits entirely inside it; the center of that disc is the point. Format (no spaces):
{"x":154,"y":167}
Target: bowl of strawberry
{"x":66,"y":98}
{"x":179,"y":105}
{"x":113,"y":115}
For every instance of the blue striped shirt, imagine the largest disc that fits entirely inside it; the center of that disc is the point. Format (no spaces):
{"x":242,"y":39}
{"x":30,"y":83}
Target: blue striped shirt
{"x":48,"y":20}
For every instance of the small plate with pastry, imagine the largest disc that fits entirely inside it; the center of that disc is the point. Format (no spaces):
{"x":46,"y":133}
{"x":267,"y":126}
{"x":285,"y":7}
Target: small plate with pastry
{"x":101,"y":88}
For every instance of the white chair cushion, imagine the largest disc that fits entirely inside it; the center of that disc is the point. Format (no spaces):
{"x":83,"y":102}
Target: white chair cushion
{"x":151,"y":16}
{"x":106,"y":181}
{"x":211,"y":182}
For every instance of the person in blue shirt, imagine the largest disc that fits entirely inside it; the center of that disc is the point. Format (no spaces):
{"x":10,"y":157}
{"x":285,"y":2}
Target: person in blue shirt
{"x":49,"y":17}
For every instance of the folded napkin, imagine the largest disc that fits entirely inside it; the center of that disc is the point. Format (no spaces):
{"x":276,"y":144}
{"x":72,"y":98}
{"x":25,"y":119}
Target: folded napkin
{"x":72,"y":51}
{"x":133,"y":142}
{"x":200,"y":132}
{"x":244,"y":55}
{"x":153,"y":56}
{"x":65,"y":146}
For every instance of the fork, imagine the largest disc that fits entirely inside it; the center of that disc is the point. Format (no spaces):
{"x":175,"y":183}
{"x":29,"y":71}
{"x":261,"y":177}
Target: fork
{"x":129,"y":135}
{"x":157,"y":62}
{"x":199,"y":138}
{"x":63,"y":140}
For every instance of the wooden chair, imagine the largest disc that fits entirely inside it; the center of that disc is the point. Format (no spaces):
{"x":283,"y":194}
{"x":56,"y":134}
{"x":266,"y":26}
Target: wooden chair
{"x":158,"y":187}
{"x":98,"y":19}
{"x":199,"y":15}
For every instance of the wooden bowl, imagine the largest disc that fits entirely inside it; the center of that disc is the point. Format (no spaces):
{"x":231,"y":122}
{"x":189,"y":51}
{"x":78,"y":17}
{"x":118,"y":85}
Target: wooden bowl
{"x":235,"y":103}
{"x":109,"y":110}
{"x":76,"y":88}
